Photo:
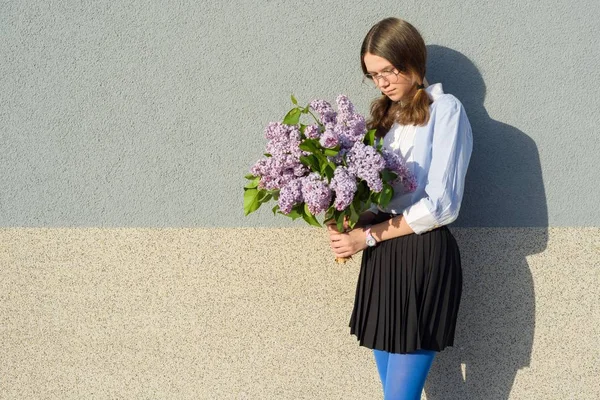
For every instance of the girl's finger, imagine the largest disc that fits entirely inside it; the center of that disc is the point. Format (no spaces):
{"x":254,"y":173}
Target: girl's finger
{"x":344,"y":251}
{"x":332,"y":228}
{"x":335,"y":235}
{"x":338,"y":240}
{"x":338,"y":245}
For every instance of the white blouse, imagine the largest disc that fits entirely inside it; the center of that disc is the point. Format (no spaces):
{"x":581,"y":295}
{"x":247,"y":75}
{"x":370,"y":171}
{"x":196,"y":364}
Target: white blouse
{"x":438,"y":155}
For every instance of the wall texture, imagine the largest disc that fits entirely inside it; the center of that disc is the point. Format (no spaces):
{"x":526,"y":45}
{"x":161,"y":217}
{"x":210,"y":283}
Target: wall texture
{"x":149,"y":113}
{"x":127,"y":269}
{"x":91,"y":313}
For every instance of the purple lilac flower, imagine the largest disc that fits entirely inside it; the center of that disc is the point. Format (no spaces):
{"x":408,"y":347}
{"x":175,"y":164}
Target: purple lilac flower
{"x":410,"y":184}
{"x":300,"y":170}
{"x":338,"y":159}
{"x":278,"y":130}
{"x":282,"y":138}
{"x":329,"y":139}
{"x":344,"y":104}
{"x":276,"y":171}
{"x":312,"y":132}
{"x":290,"y":195}
{"x":357,"y":127}
{"x":325,"y":111}
{"x":316,"y":193}
{"x":345,"y":128}
{"x":344,"y":185}
{"x":340,"y":132}
{"x":396,"y":164}
{"x":351,"y":131}
{"x":329,"y":118}
{"x":284,"y":163}
{"x":366,"y":163}
{"x":350,"y":127}
{"x":321,"y":106}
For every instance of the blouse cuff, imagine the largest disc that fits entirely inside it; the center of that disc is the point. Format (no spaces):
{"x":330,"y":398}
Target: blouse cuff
{"x":419,"y":218}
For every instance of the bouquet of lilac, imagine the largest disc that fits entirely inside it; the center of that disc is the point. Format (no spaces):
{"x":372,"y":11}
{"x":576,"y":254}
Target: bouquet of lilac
{"x":332,"y":166}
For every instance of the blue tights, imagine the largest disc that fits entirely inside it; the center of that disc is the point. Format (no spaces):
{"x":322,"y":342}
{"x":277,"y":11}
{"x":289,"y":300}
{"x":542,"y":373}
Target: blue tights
{"x":403,"y":375}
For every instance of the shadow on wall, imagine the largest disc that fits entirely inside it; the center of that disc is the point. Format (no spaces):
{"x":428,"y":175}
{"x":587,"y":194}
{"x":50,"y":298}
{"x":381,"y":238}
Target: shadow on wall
{"x":504,"y":188}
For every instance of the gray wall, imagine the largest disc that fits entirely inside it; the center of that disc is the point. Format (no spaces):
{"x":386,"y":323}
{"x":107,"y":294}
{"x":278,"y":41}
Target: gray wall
{"x":149,"y":113}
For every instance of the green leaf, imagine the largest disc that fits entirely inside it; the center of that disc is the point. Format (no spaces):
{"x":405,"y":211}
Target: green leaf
{"x":250,"y":176}
{"x":388,"y":175}
{"x":331,"y":152}
{"x":339,"y":219}
{"x":311,"y":145}
{"x":329,"y":213}
{"x":374,"y":197}
{"x":308,"y":217}
{"x":294,"y":100}
{"x":323,"y":167}
{"x":253,"y":184}
{"x":311,"y":161}
{"x":328,"y":172}
{"x":294,"y":214}
{"x":386,"y":195}
{"x":251,"y":203}
{"x":321,"y":158}
{"x":275,"y":209}
{"x":267,"y":155}
{"x":302,"y":129}
{"x":370,"y":137}
{"x":354,"y":216}
{"x":264,"y":196}
{"x":362,"y":192}
{"x":292,"y":117}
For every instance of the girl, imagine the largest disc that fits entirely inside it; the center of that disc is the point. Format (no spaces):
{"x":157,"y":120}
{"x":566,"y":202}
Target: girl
{"x":410,"y":281}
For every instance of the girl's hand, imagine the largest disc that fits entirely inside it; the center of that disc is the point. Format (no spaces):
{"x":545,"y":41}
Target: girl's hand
{"x":348,"y":243}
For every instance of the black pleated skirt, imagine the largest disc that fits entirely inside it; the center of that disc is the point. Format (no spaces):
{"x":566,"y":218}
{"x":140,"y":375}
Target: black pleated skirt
{"x":408,"y":292}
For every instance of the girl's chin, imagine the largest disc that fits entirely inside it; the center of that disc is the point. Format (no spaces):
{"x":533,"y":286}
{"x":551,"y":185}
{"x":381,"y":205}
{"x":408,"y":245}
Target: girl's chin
{"x":395,"y":97}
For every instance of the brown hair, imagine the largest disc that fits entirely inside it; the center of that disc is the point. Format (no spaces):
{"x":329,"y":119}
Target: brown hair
{"x":403,"y":46}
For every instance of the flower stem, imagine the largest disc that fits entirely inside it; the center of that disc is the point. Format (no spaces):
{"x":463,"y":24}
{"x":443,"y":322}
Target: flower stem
{"x":316,"y":119}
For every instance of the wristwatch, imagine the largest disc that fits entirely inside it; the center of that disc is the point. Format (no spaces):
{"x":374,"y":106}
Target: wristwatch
{"x":370,"y":239}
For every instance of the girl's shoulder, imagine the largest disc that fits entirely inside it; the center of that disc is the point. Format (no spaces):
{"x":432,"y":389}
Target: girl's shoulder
{"x":446,"y":103}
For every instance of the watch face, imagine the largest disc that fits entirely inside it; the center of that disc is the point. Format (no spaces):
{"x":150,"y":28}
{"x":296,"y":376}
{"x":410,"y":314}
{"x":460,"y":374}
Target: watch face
{"x":371,"y":242}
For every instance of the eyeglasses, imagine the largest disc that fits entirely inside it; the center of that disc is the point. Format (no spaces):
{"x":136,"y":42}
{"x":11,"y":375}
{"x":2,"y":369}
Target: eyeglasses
{"x":373,"y":80}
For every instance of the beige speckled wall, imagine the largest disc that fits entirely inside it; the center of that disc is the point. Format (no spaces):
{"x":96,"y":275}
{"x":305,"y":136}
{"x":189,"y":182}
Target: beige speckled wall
{"x":222,"y":314}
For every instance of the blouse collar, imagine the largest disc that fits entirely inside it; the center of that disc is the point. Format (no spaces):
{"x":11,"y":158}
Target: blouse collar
{"x":434,"y":91}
